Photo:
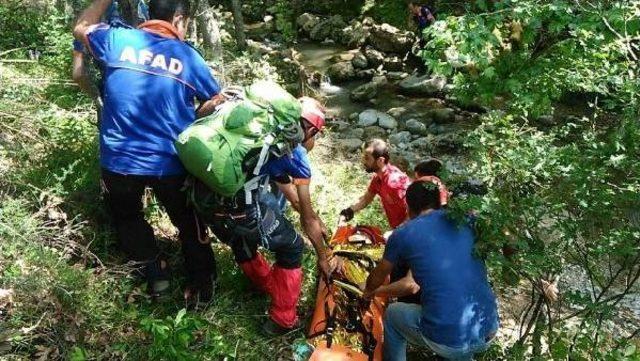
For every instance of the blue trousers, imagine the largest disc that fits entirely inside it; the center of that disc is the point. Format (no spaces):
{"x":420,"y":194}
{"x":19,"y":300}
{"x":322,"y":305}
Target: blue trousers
{"x":402,"y":325}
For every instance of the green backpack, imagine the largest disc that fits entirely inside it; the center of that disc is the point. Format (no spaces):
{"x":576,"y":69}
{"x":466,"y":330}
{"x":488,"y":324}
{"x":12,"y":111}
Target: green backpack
{"x":228,"y":148}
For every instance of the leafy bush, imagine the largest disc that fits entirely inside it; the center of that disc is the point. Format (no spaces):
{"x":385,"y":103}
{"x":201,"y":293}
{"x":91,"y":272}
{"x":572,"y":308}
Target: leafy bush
{"x":284,"y":15}
{"x":20,"y":24}
{"x":532,"y":53}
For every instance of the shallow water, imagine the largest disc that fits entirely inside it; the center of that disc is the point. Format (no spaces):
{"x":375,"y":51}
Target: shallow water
{"x":317,"y":57}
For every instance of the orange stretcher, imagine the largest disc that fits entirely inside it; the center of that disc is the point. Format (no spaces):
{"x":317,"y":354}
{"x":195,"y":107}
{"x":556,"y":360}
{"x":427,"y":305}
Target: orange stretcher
{"x":339,"y":309}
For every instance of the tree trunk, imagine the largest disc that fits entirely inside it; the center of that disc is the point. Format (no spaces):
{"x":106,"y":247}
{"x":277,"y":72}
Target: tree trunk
{"x":238,"y":22}
{"x":297,"y":11}
{"x":208,"y":29}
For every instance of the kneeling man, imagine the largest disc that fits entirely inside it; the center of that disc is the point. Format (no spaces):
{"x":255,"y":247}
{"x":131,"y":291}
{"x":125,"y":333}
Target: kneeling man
{"x":458,"y":315}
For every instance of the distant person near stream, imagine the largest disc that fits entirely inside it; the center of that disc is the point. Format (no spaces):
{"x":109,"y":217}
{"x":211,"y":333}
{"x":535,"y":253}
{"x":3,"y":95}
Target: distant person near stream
{"x":423,"y":16}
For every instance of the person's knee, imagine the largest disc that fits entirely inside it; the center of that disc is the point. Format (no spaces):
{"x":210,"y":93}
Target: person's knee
{"x":290,"y":257}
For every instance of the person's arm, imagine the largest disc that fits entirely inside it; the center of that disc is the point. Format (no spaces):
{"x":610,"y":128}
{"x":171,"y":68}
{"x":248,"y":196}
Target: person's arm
{"x":405,"y":286}
{"x":313,"y":227}
{"x":90,"y":17}
{"x":348,"y":213}
{"x":363,"y":202}
{"x":377,"y":277}
{"x":209,"y":106}
{"x":291,"y":194}
{"x":80,"y":76}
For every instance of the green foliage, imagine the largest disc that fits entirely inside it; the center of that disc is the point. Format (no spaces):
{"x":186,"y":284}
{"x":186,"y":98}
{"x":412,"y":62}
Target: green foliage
{"x":532,"y":53}
{"x":284,"y":14}
{"x":58,"y":39}
{"x":172,"y":337}
{"x":563,"y":200}
{"x":20,"y":24}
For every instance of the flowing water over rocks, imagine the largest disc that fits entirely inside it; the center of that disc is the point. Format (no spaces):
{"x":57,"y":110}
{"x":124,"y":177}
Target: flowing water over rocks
{"x":418,"y":125}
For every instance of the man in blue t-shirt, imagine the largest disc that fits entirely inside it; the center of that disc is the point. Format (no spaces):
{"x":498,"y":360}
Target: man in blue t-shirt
{"x":151,"y":79}
{"x":458,"y":315}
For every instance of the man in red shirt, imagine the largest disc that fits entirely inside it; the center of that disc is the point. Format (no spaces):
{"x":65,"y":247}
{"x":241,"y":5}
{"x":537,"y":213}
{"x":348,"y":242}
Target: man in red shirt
{"x":389,"y":182}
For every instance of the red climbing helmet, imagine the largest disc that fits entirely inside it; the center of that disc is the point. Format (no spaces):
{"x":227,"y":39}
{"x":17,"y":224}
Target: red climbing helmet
{"x":314,"y":113}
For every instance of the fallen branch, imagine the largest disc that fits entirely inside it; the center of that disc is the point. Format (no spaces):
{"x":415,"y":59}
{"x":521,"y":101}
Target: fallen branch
{"x":11,"y":51}
{"x":17,"y":61}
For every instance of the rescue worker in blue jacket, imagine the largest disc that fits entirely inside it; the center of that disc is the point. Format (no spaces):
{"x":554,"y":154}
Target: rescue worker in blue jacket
{"x":151,"y":79}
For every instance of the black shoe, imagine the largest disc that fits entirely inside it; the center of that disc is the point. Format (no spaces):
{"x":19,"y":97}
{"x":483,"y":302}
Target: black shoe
{"x":270,"y":328}
{"x":157,"y":274}
{"x":200,"y":294}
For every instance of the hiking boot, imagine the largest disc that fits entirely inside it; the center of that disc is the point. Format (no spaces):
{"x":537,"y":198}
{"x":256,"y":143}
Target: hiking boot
{"x":157,"y":274}
{"x":270,"y":328}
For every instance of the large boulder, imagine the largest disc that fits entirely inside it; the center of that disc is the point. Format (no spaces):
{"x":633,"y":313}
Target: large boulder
{"x":396,"y":75}
{"x":416,"y":127}
{"x":364,"y":92}
{"x":338,"y":125}
{"x":400,"y":138}
{"x":372,"y":117}
{"x":448,"y":142}
{"x":306,"y":22}
{"x":386,"y":121}
{"x":374,"y":57}
{"x":329,"y":28}
{"x":360,"y":61}
{"x":355,"y":35}
{"x":368,"y":117}
{"x":422,"y":85}
{"x":380,"y":80}
{"x":341,"y":72}
{"x":390,"y":39}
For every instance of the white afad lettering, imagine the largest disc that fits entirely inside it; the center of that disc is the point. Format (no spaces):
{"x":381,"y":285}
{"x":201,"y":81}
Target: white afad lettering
{"x":145,"y":57}
{"x":128,"y":54}
{"x":175,"y":66}
{"x":159,"y":62}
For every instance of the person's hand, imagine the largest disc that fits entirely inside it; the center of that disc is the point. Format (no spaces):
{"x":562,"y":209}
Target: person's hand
{"x":336,"y":263}
{"x":367,"y":295}
{"x":323,"y":267}
{"x":347,"y":214}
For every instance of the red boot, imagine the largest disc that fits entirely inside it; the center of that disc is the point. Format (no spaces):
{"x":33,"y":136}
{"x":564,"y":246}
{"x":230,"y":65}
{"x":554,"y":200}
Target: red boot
{"x":259,"y":272}
{"x":285,"y":292}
